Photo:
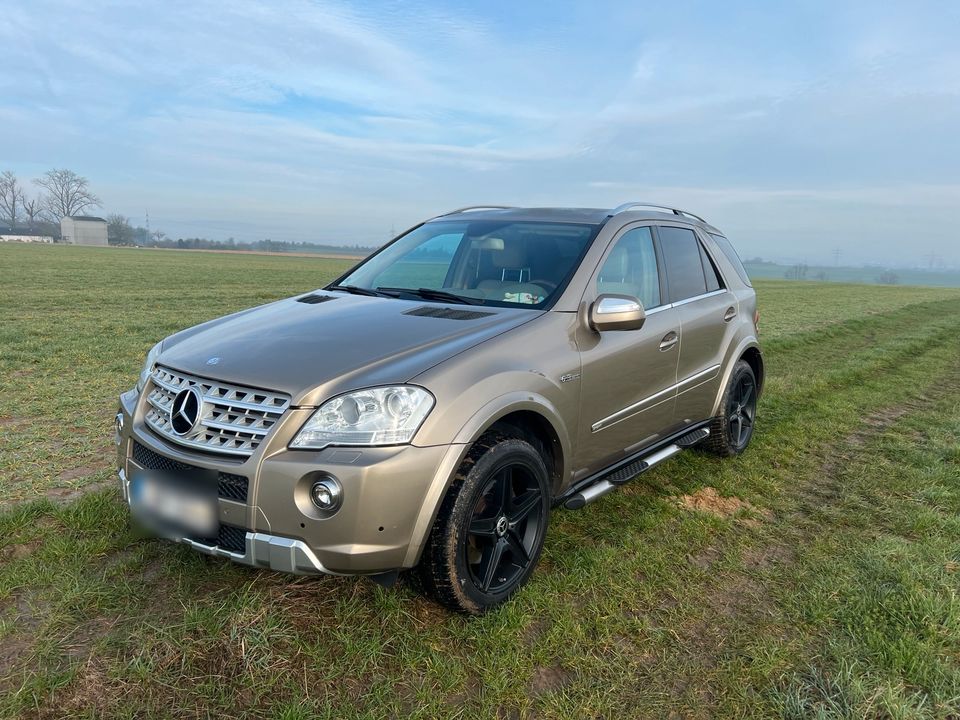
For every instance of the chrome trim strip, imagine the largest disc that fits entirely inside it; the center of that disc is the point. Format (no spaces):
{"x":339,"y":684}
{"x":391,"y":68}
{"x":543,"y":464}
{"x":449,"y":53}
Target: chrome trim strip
{"x":699,"y":297}
{"x":626,"y":412}
{"x":669,"y":306}
{"x":235,"y":428}
{"x":637,"y":407}
{"x":237,"y":452}
{"x":245,"y":405}
{"x":691,"y":381}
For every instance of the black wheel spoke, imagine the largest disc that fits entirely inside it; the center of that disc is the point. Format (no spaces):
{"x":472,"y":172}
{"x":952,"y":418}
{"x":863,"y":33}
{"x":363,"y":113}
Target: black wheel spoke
{"x":500,"y":497}
{"x":735,"y":420}
{"x":484,"y":527}
{"x":520,"y":555}
{"x":490,"y":563}
{"x":522,"y":506}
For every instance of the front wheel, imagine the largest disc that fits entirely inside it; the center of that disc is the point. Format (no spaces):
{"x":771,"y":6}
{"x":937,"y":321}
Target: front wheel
{"x":731,"y":430}
{"x":491,"y":526}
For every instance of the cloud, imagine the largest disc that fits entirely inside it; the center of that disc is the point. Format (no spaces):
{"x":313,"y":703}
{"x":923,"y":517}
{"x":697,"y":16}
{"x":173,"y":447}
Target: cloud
{"x":279,"y":120}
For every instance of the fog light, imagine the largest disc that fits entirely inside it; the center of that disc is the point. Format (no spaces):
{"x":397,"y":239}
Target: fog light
{"x":119,"y":427}
{"x":326,"y":494}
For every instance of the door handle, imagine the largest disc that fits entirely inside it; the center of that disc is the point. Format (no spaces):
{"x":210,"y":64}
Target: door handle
{"x":730,"y":314}
{"x":669,"y":340}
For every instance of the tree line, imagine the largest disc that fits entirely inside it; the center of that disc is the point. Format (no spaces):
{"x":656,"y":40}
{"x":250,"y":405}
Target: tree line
{"x":61,"y":193}
{"x":54,"y":195}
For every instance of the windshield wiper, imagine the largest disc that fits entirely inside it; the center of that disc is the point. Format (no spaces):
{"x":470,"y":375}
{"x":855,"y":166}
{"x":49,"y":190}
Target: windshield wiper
{"x":356,"y":290}
{"x":431,"y":294}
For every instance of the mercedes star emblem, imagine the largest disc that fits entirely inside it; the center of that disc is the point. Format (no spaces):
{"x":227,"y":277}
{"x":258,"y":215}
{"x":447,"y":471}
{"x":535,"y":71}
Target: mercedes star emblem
{"x":185,"y":411}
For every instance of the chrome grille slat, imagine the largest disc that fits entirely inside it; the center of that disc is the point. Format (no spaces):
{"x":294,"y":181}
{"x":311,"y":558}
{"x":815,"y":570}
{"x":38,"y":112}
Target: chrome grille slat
{"x":234,"y":419}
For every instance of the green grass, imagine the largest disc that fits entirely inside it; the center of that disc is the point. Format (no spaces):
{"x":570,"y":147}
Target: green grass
{"x":832,"y":593}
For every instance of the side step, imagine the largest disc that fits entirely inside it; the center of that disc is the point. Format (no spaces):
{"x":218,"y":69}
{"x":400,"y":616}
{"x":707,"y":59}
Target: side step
{"x":694,"y":437}
{"x":620,"y":475}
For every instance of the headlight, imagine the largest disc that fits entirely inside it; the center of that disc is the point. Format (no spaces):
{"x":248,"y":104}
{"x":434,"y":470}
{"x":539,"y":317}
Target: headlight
{"x":378,"y":416}
{"x":148,"y":366}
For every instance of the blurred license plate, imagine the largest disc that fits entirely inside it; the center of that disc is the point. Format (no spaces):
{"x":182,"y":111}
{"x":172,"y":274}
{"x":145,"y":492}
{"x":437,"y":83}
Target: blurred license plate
{"x":177,"y":505}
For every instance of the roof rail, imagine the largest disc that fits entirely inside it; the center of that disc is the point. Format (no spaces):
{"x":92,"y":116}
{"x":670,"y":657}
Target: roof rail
{"x":675,"y":211}
{"x":477,"y":207}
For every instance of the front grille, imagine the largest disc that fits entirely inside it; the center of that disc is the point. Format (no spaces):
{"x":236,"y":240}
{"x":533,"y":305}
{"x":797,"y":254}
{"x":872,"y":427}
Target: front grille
{"x":229,"y":538}
{"x":233,"y":420}
{"x":229,"y":486}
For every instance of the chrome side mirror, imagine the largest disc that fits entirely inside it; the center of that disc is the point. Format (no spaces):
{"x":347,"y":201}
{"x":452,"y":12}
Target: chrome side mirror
{"x":616,"y":312}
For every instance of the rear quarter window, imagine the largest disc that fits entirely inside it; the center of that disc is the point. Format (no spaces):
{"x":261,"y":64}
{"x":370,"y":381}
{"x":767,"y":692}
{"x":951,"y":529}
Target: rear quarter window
{"x":727,"y":248}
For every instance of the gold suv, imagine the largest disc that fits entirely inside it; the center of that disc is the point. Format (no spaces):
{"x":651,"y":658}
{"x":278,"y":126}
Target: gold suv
{"x":429,"y":408}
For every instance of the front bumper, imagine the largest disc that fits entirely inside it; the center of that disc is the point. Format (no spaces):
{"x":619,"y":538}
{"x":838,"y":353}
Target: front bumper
{"x":389,"y":495}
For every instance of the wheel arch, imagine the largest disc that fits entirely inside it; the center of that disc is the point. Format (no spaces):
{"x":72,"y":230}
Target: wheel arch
{"x":754,"y":359}
{"x":522,"y":413}
{"x":748,"y":350}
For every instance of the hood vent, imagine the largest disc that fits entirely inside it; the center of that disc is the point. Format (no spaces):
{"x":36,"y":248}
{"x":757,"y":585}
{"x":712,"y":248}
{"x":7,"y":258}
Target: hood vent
{"x":314,"y":299}
{"x":447,"y":313}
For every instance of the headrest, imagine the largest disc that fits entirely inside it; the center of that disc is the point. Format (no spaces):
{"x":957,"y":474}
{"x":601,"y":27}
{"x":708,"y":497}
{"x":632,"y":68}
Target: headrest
{"x":511,"y":256}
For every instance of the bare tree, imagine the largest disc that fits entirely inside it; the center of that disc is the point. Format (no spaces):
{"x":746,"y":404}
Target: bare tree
{"x":32,"y":208}
{"x":11,"y":197}
{"x":66,"y":194}
{"x":158,"y":235}
{"x":119,"y":230}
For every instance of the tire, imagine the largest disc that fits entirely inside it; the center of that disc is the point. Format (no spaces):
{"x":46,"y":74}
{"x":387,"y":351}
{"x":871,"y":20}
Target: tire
{"x":490,"y":529}
{"x":732,"y":429}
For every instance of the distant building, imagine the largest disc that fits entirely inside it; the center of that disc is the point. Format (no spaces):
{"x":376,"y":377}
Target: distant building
{"x":83,"y":230}
{"x":21,"y":235}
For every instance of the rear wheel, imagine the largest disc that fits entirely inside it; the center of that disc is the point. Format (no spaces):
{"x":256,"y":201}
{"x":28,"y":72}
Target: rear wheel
{"x":490,"y":530}
{"x":730,"y":432}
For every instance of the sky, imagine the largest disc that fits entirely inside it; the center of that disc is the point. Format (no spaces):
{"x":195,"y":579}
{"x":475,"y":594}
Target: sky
{"x":798,"y":129}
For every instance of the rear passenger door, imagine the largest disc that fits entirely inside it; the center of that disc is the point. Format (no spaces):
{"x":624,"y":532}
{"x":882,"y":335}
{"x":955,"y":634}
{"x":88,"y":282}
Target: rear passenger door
{"x":705,"y":310}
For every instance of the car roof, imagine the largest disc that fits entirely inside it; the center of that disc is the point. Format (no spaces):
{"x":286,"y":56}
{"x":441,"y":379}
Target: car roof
{"x":588,"y":216}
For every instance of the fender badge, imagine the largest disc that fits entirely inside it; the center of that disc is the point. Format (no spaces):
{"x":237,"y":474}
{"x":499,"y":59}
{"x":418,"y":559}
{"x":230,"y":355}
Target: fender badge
{"x":569,"y":376}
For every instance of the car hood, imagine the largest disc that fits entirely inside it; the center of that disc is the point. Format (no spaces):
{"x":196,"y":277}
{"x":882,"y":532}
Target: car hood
{"x":313,"y":351}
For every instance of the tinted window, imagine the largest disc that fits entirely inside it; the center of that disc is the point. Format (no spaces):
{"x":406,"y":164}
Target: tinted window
{"x":681,"y":255}
{"x":631,"y":268}
{"x":486,"y":262}
{"x":731,"y":253}
{"x":709,"y":271}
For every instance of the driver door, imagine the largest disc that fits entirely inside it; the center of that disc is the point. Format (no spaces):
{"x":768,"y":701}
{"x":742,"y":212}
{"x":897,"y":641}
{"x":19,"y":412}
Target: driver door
{"x":628,"y":377}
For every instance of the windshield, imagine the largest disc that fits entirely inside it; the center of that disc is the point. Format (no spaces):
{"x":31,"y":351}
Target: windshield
{"x":505,"y":264}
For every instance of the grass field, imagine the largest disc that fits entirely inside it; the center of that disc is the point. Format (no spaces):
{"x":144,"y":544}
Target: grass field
{"x":818,"y":575}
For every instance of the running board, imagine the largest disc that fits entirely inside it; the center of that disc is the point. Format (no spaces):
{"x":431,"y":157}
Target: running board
{"x":694,"y":437}
{"x":609,"y":482}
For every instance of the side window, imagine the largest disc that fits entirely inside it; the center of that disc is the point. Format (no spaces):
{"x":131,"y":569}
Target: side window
{"x":681,"y":256}
{"x":709,"y":271}
{"x":727,"y":247}
{"x":631,"y":268}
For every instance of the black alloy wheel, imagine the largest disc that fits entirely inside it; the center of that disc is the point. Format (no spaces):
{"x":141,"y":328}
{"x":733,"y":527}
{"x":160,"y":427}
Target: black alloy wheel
{"x":731,"y":430}
{"x":504,"y":528}
{"x":741,"y":410}
{"x":491,"y":526}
